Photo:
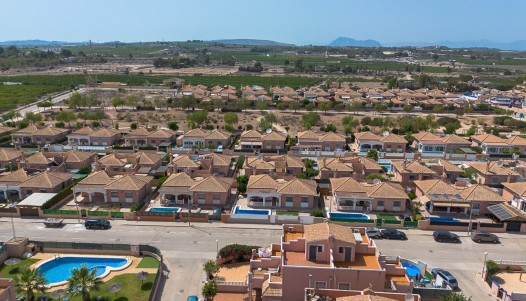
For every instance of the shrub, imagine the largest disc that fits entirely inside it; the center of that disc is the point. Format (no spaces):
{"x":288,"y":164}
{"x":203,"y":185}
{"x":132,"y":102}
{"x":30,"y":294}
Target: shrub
{"x":236,"y":251}
{"x":242,"y":182}
{"x":60,"y":124}
{"x":317,"y":213}
{"x":411,"y":195}
{"x":491,"y":267}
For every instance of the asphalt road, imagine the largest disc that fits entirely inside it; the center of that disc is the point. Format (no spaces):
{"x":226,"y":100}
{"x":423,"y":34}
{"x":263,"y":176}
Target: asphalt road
{"x":186,"y":248}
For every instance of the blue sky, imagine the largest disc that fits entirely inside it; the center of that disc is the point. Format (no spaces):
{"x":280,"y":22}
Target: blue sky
{"x":293,"y":21}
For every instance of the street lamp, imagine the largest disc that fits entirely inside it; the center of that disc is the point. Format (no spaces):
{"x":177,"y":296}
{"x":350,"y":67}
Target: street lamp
{"x":217,"y":246}
{"x":484,"y":266}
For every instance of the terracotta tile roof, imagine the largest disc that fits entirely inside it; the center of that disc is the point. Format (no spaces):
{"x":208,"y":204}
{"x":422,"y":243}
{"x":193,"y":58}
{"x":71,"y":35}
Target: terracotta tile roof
{"x":322,"y":231}
{"x":387,"y":138}
{"x":273,"y":136}
{"x":300,"y":187}
{"x":516,"y":141}
{"x":412,"y":167}
{"x":454,"y":139}
{"x":262,"y":182}
{"x":77,"y":157}
{"x":140,"y":132}
{"x":364,"y":298}
{"x":488,"y":139}
{"x":450,"y":167}
{"x":426,"y":136}
{"x":184,"y":162}
{"x":162,"y":133}
{"x":47,"y":180}
{"x":332,"y":137}
{"x":19,"y":175}
{"x":393,"y":138}
{"x":219,"y":159}
{"x":293,"y":161}
{"x":83,"y":131}
{"x":179,"y":180}
{"x":217,"y":134}
{"x":436,"y":186}
{"x":8,"y":154}
{"x":105,"y":133}
{"x":494,"y":169}
{"x":5,"y":129}
{"x":96,"y":178}
{"x":386,"y":190}
{"x":259,"y":164}
{"x":334,"y":164}
{"x":213,"y":184}
{"x":112,"y":160}
{"x":367,"y":136}
{"x":481,"y":193}
{"x":38,"y":158}
{"x":28,"y":130}
{"x":129,"y":182}
{"x":251,"y":134}
{"x":347,"y":184}
{"x":50,"y":131}
{"x":149,"y":158}
{"x":519,"y":188}
{"x":370,"y":164}
{"x":308,"y":135}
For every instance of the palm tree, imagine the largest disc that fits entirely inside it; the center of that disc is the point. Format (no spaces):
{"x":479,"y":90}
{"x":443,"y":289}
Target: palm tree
{"x":29,"y":281}
{"x":83,"y":281}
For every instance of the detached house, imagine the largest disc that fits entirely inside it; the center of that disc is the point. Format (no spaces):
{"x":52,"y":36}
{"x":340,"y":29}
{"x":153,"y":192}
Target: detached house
{"x":310,"y":140}
{"x":10,"y":157}
{"x":142,"y":137}
{"x":494,"y":173}
{"x":181,"y":189}
{"x":254,"y":140}
{"x":122,"y":164}
{"x":264,"y":191}
{"x":204,"y":138}
{"x":100,"y":187}
{"x":201,"y":166}
{"x":390,"y":143}
{"x":46,"y":182}
{"x":493,"y":145}
{"x":408,"y":172}
{"x":88,"y":136}
{"x":33,"y":135}
{"x":348,"y":194}
{"x":276,"y":166}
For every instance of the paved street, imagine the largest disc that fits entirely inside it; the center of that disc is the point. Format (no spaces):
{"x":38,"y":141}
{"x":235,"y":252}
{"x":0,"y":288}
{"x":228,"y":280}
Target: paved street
{"x":186,"y":248}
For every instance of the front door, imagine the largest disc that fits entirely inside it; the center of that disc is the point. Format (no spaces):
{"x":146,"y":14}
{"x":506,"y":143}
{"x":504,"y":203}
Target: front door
{"x":347,"y":254}
{"x":312,"y":252}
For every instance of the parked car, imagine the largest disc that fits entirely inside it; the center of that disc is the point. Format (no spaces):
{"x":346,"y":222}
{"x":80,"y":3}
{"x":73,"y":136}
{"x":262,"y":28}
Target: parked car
{"x":216,"y":214}
{"x":446,"y":236}
{"x":448,"y":278}
{"x":373,"y":232}
{"x":393,"y":234}
{"x":97,"y":223}
{"x":192,"y":298}
{"x":479,"y":236}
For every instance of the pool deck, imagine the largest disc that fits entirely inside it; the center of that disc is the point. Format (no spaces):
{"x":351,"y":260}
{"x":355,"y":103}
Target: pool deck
{"x":131,"y":269}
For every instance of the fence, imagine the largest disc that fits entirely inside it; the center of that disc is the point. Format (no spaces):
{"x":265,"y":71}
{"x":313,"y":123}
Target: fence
{"x":491,"y":225}
{"x":445,"y":223}
{"x":98,"y":213}
{"x":411,"y":224}
{"x":60,"y":212}
{"x":117,"y":214}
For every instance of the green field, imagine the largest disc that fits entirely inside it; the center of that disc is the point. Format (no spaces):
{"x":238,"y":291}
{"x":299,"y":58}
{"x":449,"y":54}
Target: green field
{"x":143,"y":50}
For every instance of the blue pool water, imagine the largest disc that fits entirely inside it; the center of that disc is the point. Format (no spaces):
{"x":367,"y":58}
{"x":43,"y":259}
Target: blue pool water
{"x":345,"y":215}
{"x":251,"y":211}
{"x":59,"y":269}
{"x":443,"y":219}
{"x":411,"y":270}
{"x":165,"y":209}
{"x":387,"y":167}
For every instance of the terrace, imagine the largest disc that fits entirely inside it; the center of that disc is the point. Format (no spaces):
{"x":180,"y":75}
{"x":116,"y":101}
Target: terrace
{"x":298,"y":259}
{"x":361,"y":261}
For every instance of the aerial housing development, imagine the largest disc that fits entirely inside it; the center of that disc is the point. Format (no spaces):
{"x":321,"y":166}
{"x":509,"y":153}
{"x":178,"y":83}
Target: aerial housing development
{"x":255,"y":170}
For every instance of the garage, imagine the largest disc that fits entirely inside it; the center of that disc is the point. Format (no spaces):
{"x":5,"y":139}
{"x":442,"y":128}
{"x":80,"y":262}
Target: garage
{"x":30,"y":206}
{"x":506,"y":213}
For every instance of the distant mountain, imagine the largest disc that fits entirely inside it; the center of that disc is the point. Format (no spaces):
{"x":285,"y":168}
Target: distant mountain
{"x":251,"y":42}
{"x":345,"y":41}
{"x":26,"y":43}
{"x":519,"y":45}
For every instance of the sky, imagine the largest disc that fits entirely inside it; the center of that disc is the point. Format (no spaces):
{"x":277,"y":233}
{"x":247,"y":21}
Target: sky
{"x":291,"y":21}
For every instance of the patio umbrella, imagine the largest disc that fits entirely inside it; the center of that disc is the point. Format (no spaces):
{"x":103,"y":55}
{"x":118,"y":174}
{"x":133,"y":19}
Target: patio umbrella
{"x":143,"y":276}
{"x":12,"y":261}
{"x":114,"y":288}
{"x":58,"y":294}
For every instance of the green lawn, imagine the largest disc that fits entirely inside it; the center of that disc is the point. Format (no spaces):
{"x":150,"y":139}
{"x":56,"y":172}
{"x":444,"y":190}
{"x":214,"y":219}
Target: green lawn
{"x":132,"y":290}
{"x":148,"y":263}
{"x":11,"y":271}
{"x":387,"y":217}
{"x":294,"y":213}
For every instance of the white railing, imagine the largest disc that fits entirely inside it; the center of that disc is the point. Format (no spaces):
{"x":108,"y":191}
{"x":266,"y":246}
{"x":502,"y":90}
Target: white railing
{"x":518,"y":296}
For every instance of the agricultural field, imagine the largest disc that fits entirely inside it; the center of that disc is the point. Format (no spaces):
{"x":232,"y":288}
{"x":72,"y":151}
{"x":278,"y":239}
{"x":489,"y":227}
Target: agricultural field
{"x":142,"y":50}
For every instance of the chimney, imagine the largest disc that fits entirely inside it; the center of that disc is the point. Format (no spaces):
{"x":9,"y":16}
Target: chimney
{"x":324,"y":160}
{"x":487,"y":166}
{"x":420,"y":176}
{"x":403,"y":165}
{"x":509,"y":177}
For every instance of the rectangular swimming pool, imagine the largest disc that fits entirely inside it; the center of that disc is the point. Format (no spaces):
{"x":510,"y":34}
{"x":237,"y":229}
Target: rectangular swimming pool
{"x":238,"y":210}
{"x":164,"y":209}
{"x":443,"y":219}
{"x":347,"y":215}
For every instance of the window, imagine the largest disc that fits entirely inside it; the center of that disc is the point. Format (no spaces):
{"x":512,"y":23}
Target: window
{"x":425,"y":177}
{"x":29,"y":191}
{"x":344,"y":286}
{"x":320,"y":284}
{"x":129,"y":195}
{"x":43,"y":190}
{"x":340,"y":250}
{"x":289,"y":198}
{"x":216,"y":197}
{"x":320,"y":249}
{"x":411,"y":177}
{"x":380,"y":203}
{"x":200,"y":196}
{"x":396,"y":204}
{"x":114,"y":194}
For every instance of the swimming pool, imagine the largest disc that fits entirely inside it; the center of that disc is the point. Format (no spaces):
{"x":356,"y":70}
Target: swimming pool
{"x":387,"y":167}
{"x":347,"y":215}
{"x":238,"y":210}
{"x":58,"y":270}
{"x":411,"y":270}
{"x":164,"y":209}
{"x":443,"y":219}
